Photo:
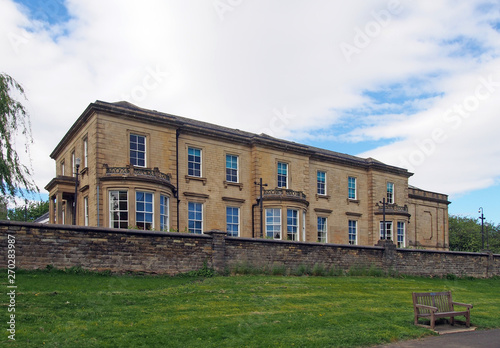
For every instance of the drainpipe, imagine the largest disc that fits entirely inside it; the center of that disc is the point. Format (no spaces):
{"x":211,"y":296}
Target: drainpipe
{"x":177,"y":134}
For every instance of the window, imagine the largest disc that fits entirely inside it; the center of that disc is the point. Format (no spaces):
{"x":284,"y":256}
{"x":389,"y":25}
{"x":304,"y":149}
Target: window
{"x":118,"y":209}
{"x":233,"y":221}
{"x":85,"y":152}
{"x":353,"y":229}
{"x":352,"y":187}
{"x":73,"y":163}
{"x":194,"y":162}
{"x":282,"y":174}
{"x":292,"y":224}
{"x":137,"y":150}
{"x":63,"y":168}
{"x":144,"y":210}
{"x":390,"y":193}
{"x":164,"y":223}
{"x":195,"y":217}
{"x":273,"y":223}
{"x":401,"y":234}
{"x":86,"y":211}
{"x":322,"y":229}
{"x":321,"y":183}
{"x":388,"y":230}
{"x":231,"y":168}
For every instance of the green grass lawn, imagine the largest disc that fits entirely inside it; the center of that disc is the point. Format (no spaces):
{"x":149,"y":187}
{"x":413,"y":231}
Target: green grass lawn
{"x":58,"y":309}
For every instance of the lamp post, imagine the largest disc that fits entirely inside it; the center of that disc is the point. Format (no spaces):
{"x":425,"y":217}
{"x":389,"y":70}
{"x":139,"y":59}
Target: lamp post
{"x":260,"y":204}
{"x":482,"y":225}
{"x":77,"y":167}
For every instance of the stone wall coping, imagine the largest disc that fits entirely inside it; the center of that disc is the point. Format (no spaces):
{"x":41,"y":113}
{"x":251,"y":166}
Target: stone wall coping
{"x":208,"y":235}
{"x":107,"y":230}
{"x":446,"y":252}
{"x":277,"y":241}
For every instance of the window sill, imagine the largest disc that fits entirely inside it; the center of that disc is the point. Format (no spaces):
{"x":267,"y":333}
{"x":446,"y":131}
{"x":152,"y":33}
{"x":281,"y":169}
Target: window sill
{"x":318,"y":196}
{"x":234,"y":184}
{"x":354,"y":201}
{"x":196,"y":178}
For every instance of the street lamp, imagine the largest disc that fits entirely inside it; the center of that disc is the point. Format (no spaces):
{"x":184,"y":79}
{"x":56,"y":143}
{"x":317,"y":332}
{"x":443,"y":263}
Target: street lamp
{"x":260,"y":204}
{"x":77,"y":166}
{"x":482,"y":225}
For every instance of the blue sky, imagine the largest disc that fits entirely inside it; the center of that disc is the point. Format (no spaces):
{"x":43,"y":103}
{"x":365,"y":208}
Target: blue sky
{"x":412,"y":84}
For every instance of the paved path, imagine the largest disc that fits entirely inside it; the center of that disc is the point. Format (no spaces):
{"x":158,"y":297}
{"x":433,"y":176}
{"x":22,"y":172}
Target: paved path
{"x":472,"y":339}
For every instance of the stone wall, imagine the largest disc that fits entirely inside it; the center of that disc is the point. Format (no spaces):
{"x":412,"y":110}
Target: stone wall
{"x":64,"y":246}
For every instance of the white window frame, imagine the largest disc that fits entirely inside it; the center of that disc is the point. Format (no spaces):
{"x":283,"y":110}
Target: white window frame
{"x":165,"y":216}
{"x":85,"y":152}
{"x":111,"y":211}
{"x":389,"y":226}
{"x":324,"y":232}
{"x":86,"y":210}
{"x":349,"y":188}
{"x":145,"y":211}
{"x":272,"y":221}
{"x":237,"y":223}
{"x":390,"y":193}
{"x":195,"y":220}
{"x":237,"y":168}
{"x":292,"y":230}
{"x":137,"y":150}
{"x":321,"y":186}
{"x":73,"y":164}
{"x":353,"y":231}
{"x":286,"y":166}
{"x":401,"y":232}
{"x":201,"y":162}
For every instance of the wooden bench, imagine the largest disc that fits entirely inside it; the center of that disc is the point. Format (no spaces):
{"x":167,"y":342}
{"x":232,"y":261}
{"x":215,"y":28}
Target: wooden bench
{"x":433,"y":305}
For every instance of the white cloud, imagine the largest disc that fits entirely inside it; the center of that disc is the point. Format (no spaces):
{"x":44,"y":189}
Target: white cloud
{"x":260,"y":57}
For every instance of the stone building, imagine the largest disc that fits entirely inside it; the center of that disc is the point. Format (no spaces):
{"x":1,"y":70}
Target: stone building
{"x":149,"y":170}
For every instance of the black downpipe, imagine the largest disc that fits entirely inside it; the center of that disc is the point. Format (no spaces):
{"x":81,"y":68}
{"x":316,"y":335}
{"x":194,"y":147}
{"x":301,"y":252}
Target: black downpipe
{"x":177,"y":134}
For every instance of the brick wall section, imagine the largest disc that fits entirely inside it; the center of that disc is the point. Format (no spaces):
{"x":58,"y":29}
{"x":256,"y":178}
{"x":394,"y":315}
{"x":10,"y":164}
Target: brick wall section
{"x":93,"y":248}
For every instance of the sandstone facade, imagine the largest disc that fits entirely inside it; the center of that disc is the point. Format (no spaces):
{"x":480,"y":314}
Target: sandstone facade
{"x":150,"y":170}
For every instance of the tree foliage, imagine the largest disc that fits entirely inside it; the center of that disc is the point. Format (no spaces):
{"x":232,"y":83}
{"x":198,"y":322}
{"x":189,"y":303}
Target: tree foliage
{"x":28,"y":212}
{"x":3,"y":208}
{"x":13,"y":119}
{"x":465,"y":235}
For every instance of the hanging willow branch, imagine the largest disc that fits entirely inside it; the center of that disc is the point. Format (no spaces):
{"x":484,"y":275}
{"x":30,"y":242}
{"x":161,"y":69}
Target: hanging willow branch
{"x":14,"y":118}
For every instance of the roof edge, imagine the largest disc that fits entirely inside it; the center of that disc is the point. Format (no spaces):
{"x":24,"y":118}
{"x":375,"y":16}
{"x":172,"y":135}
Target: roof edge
{"x":127,"y":109}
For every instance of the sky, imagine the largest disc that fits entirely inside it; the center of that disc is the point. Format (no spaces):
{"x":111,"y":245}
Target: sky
{"x":415,"y":84}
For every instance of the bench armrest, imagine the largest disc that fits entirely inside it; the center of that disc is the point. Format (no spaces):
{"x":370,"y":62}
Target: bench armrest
{"x":462,"y":304}
{"x":433,"y":309}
